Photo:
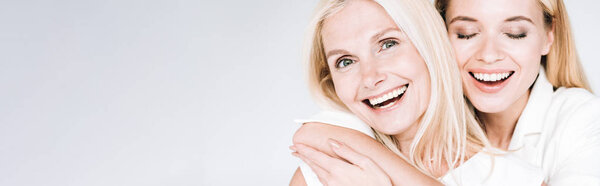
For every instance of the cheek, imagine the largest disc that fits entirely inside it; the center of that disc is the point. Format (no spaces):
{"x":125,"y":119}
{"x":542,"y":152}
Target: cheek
{"x":344,"y":88}
{"x":422,"y":83}
{"x":527,"y":55}
{"x":426,"y":94}
{"x":463,"y":51}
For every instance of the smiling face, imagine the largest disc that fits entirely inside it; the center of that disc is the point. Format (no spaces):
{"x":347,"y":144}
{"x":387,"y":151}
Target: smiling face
{"x":499,"y":45}
{"x":377,"y":72}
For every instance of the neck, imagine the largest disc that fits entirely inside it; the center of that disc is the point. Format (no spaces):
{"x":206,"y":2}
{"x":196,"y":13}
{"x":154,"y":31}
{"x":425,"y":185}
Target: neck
{"x":500,"y":126}
{"x":405,"y":138}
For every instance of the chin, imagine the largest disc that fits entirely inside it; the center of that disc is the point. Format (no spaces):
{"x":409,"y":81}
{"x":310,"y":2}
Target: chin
{"x":489,"y":105}
{"x":391,"y":127}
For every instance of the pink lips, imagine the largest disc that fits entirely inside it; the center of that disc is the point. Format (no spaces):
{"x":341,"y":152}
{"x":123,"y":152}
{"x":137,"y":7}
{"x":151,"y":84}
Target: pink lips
{"x":490,"y":87}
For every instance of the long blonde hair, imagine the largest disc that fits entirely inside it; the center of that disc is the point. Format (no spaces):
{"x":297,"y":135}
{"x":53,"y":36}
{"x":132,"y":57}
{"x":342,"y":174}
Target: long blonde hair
{"x":563,"y":68}
{"x":447,"y":130}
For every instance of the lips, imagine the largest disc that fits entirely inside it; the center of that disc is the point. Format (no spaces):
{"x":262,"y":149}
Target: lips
{"x":386,"y":100}
{"x":490,"y":82}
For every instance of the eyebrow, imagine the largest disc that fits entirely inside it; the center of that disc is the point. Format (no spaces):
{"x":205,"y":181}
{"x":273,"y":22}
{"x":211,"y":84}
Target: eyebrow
{"x":383,"y":32}
{"x":518,"y":18}
{"x":510,"y":19}
{"x":373,"y":38}
{"x":462,"y":18}
{"x":335,"y":52}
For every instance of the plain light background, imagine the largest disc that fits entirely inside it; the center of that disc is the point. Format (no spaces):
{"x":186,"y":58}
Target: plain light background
{"x":182,"y":92}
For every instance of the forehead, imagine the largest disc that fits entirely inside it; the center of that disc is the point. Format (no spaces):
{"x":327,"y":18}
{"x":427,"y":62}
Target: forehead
{"x":494,"y":9}
{"x":357,"y":19}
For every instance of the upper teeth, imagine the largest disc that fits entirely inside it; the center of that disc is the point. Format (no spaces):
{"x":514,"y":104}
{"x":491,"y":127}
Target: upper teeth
{"x":390,"y":95}
{"x":491,"y":77}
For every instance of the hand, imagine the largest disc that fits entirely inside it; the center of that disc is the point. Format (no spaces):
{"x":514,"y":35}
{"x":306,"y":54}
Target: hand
{"x":353,"y":169}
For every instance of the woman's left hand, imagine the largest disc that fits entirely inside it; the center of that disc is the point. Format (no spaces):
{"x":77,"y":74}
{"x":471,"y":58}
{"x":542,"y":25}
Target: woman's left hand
{"x":353,"y":169}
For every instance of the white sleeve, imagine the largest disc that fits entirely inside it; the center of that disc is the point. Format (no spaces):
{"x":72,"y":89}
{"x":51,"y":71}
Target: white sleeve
{"x":494,"y":170}
{"x":337,"y":118}
{"x":310,"y":177}
{"x":578,"y":148}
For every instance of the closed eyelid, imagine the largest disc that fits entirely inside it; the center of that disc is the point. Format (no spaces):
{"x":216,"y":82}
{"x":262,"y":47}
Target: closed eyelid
{"x":464,"y":27}
{"x":466,"y":31}
{"x":515,"y":29}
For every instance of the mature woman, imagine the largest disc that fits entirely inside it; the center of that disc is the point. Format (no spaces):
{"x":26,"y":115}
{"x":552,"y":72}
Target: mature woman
{"x":521,"y":73}
{"x":390,"y":64}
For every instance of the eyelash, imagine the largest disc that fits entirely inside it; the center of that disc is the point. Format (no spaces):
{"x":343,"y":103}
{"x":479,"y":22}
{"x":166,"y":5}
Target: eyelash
{"x":517,"y":36}
{"x":339,"y":61}
{"x":466,"y":37}
{"x":388,"y":41}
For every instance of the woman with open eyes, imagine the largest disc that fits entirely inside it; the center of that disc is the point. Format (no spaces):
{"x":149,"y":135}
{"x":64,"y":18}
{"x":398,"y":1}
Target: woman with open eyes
{"x":520,"y":72}
{"x":371,"y":59}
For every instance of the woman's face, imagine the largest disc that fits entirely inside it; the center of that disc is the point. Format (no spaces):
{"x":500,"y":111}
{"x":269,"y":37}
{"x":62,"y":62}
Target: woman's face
{"x":499,"y":45}
{"x":377,"y":72}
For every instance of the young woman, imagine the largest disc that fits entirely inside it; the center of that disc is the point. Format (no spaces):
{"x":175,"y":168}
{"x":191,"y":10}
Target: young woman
{"x":399,"y":77}
{"x":505,"y":49}
{"x":521,"y":73}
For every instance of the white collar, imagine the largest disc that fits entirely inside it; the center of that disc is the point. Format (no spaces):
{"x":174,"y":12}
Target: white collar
{"x":532,"y":118}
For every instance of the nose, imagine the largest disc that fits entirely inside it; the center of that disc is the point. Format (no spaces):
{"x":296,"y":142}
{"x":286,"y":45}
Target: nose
{"x":372,"y":75}
{"x":489,"y":51}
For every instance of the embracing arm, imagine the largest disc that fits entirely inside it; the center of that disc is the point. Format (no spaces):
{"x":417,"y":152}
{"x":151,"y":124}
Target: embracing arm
{"x":400,"y":171}
{"x":298,"y":178}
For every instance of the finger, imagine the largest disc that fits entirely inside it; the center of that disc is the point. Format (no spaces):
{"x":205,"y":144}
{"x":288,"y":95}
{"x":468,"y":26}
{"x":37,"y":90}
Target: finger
{"x":321,"y":173}
{"x":319,"y":158}
{"x":350,"y":154}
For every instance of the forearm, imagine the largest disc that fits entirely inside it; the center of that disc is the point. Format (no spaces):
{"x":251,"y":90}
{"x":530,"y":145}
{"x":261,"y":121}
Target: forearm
{"x":399,"y":171}
{"x":298,"y":178}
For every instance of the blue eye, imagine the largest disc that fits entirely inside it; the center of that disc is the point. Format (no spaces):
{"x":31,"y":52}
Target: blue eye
{"x":516,"y":36}
{"x":388,"y":44}
{"x":465,"y":36}
{"x":344,"y":62}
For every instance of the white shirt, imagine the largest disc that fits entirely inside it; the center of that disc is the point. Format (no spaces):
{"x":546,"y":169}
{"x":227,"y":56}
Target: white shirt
{"x":558,"y":131}
{"x":475,"y":171}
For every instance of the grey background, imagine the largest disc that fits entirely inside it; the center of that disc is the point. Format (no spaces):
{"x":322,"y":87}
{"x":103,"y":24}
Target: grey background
{"x":181,"y":92}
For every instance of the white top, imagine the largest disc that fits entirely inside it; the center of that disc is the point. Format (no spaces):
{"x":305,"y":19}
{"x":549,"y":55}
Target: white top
{"x":475,"y":171}
{"x":485,"y":169}
{"x":559,"y":131}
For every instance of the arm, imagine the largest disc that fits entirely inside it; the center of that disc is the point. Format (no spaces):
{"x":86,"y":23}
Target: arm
{"x":298,"y":178}
{"x":400,"y":171}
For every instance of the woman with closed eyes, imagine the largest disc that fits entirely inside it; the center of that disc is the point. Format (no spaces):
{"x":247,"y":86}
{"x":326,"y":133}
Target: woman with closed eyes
{"x":521,"y":74}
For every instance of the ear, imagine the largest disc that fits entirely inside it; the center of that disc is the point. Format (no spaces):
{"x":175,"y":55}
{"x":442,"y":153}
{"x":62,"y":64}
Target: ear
{"x":549,"y":41}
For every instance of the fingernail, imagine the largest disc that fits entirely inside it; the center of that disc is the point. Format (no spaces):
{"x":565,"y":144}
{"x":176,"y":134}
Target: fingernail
{"x":334,"y":143}
{"x":293,"y":148}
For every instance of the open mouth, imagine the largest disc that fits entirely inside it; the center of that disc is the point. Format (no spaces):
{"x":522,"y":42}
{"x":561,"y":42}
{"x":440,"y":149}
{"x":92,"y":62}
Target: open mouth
{"x":491,"y":79}
{"x":386,"y":100}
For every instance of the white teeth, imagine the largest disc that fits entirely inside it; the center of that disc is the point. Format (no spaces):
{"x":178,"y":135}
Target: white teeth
{"x":388,"y":96}
{"x":491,"y":77}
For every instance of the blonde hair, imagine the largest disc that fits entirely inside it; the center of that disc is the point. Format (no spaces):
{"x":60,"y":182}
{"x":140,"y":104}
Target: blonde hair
{"x":563,"y":68}
{"x":447,"y":129}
